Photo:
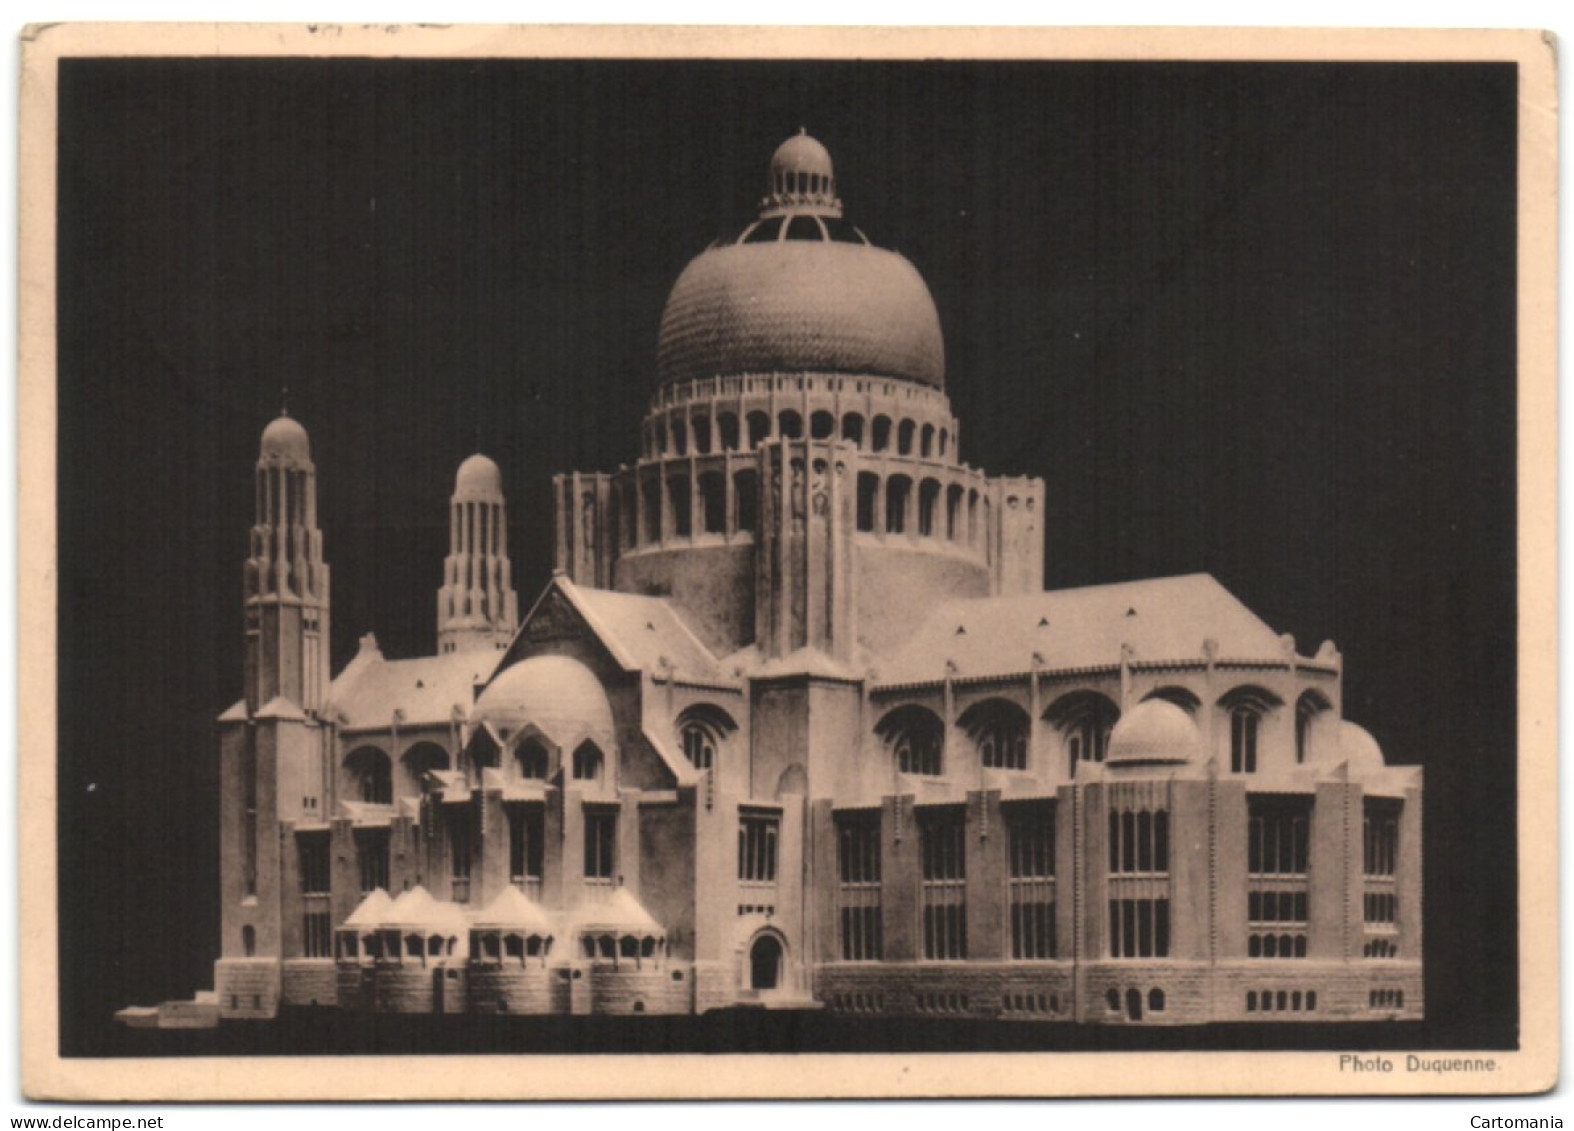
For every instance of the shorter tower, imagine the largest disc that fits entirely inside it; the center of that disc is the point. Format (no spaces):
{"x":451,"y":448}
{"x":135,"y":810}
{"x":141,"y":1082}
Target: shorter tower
{"x":477,"y":607}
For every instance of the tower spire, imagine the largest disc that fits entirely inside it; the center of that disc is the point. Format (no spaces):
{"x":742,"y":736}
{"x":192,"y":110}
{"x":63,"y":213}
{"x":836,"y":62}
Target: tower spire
{"x":286,"y":577}
{"x":477,"y":606}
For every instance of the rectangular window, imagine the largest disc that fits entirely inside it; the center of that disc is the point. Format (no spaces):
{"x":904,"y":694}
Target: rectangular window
{"x":942,"y":850}
{"x":1139,"y":928}
{"x":526,"y":847}
{"x":319,"y":935}
{"x":459,"y":852}
{"x":601,"y":839}
{"x":313,"y":851}
{"x":1139,"y":843}
{"x":757,"y":836}
{"x":371,"y":852}
{"x":858,"y":859}
{"x":1380,"y":837}
{"x":1030,"y":854}
{"x":1277,"y":860}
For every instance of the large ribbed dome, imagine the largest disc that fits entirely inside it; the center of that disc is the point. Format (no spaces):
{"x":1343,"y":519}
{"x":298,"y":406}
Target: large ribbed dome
{"x":801,"y":291}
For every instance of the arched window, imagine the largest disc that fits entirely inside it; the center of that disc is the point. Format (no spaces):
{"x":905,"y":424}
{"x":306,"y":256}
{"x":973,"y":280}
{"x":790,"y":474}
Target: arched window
{"x":423,"y":758}
{"x":926,"y":441}
{"x":1246,"y":706}
{"x":650,"y":491}
{"x":999,"y":729}
{"x":680,"y":438}
{"x":727,"y":425}
{"x":587,"y":762}
{"x":533,"y":759}
{"x":701,"y":429}
{"x":789,"y":425}
{"x":1084,"y":720}
{"x":822,"y":426}
{"x":248,"y":941}
{"x":759,"y":428}
{"x":1179,"y":696}
{"x":702,"y":730}
{"x":868,"y":492}
{"x":853,"y":428}
{"x":1156,"y":1001}
{"x":678,"y":504}
{"x":1307,"y":708}
{"x":880,"y":433}
{"x":943,"y":439}
{"x":897,"y":490}
{"x":713,"y":502}
{"x":928,"y":501}
{"x":745,"y":499}
{"x":373,"y":773}
{"x":953,"y":511}
{"x":904,"y":438}
{"x":915,"y":737}
{"x":661,"y":438}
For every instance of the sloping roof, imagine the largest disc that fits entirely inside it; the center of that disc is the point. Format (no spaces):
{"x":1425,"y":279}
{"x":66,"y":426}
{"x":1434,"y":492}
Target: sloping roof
{"x":372,"y":910}
{"x":1165,"y":618}
{"x":618,"y":913}
{"x":418,"y":908}
{"x":425,"y":690}
{"x":642,"y":631}
{"x":512,"y":908}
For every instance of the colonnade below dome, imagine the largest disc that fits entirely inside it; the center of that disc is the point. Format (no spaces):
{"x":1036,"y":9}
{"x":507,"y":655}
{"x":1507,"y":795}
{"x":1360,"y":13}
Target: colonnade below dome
{"x":723,"y":414}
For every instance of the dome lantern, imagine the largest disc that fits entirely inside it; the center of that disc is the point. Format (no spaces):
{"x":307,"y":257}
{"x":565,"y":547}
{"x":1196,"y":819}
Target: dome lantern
{"x":801,"y":179}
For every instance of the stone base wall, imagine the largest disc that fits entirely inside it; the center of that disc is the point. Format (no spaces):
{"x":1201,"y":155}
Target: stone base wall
{"x":413,"y":989}
{"x":247,"y":987}
{"x":715,"y":986}
{"x":310,"y":981}
{"x":636,"y":990}
{"x":511,"y":989}
{"x":1041,"y":990}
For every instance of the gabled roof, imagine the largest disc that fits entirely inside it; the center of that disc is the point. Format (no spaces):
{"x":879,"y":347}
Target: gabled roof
{"x":616,"y":913}
{"x":371,"y":911}
{"x":642,"y":632}
{"x":425,"y":691}
{"x":512,"y":908}
{"x":1161,"y":619}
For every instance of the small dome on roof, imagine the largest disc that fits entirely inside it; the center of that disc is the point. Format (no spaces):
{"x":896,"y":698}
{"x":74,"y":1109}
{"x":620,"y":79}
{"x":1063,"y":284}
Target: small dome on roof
{"x":285,"y":441}
{"x":1359,"y":748}
{"x":478,"y":476}
{"x":1155,"y":731}
{"x":557,"y":695}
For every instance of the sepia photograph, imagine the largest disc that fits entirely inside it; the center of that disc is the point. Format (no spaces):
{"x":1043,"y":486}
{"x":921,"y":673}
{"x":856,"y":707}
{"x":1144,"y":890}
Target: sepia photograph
{"x":938,"y":551}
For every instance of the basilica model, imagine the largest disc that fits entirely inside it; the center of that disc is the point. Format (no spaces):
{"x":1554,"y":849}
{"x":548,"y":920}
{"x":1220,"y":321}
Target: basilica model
{"x":795,"y":725}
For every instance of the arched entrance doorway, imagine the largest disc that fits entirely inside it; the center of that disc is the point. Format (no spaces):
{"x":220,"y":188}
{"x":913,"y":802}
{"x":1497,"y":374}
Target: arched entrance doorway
{"x":1134,"y":1005}
{"x":765,"y":963}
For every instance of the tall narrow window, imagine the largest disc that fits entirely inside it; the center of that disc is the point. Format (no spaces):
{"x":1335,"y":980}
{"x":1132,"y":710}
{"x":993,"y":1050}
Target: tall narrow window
{"x":757,"y":838}
{"x":1139,"y":928}
{"x":459,"y":851}
{"x":371,"y":850}
{"x":1030,"y":854}
{"x":1139,"y":842}
{"x":313,"y":851}
{"x":678,"y":505}
{"x":318,"y":935}
{"x":897,"y":490}
{"x":1244,"y":722}
{"x":942,"y":851}
{"x":526,"y":847}
{"x":601,"y":836}
{"x":858,"y":895}
{"x":1277,"y":890}
{"x":1379,"y":867}
{"x":744,"y":492}
{"x":713,"y":500}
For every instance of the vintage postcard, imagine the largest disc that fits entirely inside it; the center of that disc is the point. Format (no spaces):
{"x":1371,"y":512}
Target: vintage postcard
{"x":760,"y":562}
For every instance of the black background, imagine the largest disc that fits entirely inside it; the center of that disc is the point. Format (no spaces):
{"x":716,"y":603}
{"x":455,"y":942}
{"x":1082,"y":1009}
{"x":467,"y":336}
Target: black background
{"x":1256,"y":320}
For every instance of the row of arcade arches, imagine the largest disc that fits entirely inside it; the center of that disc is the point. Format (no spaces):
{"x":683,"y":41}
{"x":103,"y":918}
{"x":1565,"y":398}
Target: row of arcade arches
{"x":675,"y":435}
